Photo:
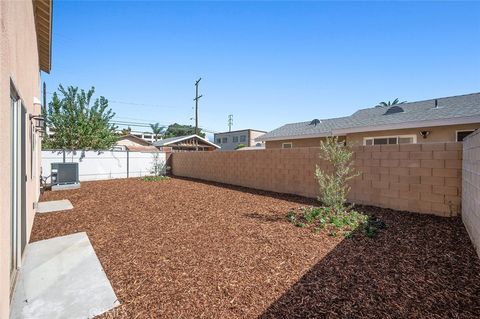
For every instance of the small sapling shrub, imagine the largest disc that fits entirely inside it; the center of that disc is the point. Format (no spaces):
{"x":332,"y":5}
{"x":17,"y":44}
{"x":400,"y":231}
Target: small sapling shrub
{"x":333,"y":182}
{"x":335,"y":215}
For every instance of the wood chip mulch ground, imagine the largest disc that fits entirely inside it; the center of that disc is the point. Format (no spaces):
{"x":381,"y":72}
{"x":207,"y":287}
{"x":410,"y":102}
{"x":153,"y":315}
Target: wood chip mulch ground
{"x":189,"y":249}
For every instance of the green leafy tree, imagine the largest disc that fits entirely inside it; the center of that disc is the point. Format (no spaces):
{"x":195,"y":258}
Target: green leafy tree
{"x":156,"y":130}
{"x":239,"y":146}
{"x":76,"y":123}
{"x":333,"y":182}
{"x":176,"y":129}
{"x":126,"y":131}
{"x":390,"y":103}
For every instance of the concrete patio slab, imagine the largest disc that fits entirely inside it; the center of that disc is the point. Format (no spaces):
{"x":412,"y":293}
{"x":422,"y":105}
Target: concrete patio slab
{"x":64,"y":187}
{"x":54,"y":206}
{"x":62,"y":278}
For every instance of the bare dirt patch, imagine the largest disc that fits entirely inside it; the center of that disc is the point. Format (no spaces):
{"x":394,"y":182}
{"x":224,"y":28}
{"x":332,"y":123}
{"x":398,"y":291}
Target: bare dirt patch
{"x":187,"y":249}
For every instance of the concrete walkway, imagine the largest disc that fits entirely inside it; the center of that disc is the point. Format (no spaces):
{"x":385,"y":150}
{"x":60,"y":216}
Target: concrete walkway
{"x":62,"y":278}
{"x":54,"y":206}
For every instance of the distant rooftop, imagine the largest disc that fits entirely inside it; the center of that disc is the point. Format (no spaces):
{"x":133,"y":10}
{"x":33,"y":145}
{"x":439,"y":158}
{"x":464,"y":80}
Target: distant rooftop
{"x":236,"y":131}
{"x":460,"y":109}
{"x":172,"y":140}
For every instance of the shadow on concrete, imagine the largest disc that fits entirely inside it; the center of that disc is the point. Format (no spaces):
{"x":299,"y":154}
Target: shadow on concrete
{"x":419,"y":267}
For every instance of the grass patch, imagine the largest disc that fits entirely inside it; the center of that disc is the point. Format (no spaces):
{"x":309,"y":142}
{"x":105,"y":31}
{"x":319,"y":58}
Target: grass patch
{"x":155,"y":178}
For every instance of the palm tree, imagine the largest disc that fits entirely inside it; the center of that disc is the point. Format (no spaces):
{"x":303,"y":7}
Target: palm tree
{"x":389,"y":103}
{"x":156,"y":130}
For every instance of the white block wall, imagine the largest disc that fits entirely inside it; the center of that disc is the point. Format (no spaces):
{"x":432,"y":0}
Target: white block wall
{"x":102,"y":165}
{"x":471,"y":187}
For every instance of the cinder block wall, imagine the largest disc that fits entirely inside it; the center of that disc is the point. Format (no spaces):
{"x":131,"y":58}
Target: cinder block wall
{"x":423,"y":178}
{"x":471,"y":187}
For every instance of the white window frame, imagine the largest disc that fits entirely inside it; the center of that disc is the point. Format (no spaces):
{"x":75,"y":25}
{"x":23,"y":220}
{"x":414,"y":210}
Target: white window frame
{"x":235,"y":139}
{"x":243,"y":138}
{"x":462,"y":131}
{"x":390,"y":136}
{"x":289,"y":143}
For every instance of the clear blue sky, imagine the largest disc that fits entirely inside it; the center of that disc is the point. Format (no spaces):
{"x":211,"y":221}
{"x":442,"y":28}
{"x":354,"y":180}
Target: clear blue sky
{"x":267,"y":63}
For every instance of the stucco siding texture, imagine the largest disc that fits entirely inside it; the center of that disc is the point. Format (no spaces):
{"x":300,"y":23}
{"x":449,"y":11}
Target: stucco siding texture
{"x":424,"y":178}
{"x":437,"y":134}
{"x":19,"y":65}
{"x":471,"y":188}
{"x":230,"y":145}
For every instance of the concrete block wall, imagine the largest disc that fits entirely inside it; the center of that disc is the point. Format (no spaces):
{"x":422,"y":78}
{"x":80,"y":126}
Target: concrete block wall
{"x":423,"y":178}
{"x":471,"y":188}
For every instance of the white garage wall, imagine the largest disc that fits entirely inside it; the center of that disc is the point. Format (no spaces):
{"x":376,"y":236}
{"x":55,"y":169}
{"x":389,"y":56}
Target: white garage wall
{"x":95,"y":165}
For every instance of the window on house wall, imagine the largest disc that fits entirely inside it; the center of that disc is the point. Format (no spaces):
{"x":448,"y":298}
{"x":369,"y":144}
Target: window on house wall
{"x":224,"y":140}
{"x":243,"y":138}
{"x":389,"y":140}
{"x":235,"y":139}
{"x":462,"y":134}
{"x":219,"y":140}
{"x":287,"y":145}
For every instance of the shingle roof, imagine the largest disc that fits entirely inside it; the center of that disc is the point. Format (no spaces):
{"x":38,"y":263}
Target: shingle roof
{"x":465,"y":107}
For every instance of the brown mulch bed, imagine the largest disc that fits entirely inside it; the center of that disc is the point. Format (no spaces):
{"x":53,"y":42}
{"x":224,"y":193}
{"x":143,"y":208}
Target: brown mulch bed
{"x":188,"y":249}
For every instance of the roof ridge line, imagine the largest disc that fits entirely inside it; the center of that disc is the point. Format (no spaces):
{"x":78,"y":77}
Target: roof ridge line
{"x":432,"y":99}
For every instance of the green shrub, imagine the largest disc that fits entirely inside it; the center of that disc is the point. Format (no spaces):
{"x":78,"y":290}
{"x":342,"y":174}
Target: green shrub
{"x":333,"y":185}
{"x":155,"y":178}
{"x":239,"y":146}
{"x":344,"y":223}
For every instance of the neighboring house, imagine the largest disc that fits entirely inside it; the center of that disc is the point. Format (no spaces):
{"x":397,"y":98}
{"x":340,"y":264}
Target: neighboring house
{"x":147,"y":136}
{"x":25,"y":50}
{"x":230,"y":140}
{"x":186,"y":143}
{"x":134,"y":143}
{"x":446,"y":119}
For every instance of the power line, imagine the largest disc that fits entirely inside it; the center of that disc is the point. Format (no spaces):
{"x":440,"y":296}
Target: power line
{"x":134,"y":103}
{"x":146,"y":124}
{"x":140,"y":122}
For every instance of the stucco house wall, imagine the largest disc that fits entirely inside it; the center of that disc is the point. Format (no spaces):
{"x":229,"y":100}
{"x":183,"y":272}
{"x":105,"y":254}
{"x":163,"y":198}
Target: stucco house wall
{"x":20,"y":66}
{"x":437,"y":134}
{"x":253,"y":136}
{"x":303,"y":142}
{"x":249,"y":134}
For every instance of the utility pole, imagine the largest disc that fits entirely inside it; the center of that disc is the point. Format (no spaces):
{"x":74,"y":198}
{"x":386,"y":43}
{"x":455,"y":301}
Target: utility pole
{"x":230,"y":122}
{"x":197,"y":97}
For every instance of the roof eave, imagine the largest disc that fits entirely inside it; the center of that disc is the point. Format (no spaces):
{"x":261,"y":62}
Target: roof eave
{"x":384,"y":127}
{"x":416,"y":124}
{"x":43,"y":25}
{"x":291,"y":137}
